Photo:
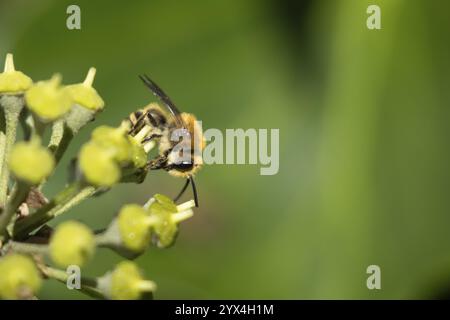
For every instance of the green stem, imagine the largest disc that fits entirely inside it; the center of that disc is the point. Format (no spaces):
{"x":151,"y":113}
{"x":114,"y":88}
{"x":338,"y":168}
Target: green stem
{"x":33,"y":221}
{"x":110,"y":237}
{"x":12,"y":106}
{"x":88,"y":285}
{"x":17,"y":198}
{"x":27,"y":248}
{"x":103,"y":239}
{"x":60,"y":139}
{"x":71,"y":196}
{"x":82,"y":195}
{"x":2,"y":158}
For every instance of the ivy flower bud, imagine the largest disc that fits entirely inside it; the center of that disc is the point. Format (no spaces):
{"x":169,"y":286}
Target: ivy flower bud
{"x":138,"y":155}
{"x":134,"y":227}
{"x":72,"y":244}
{"x":19,"y":278}
{"x":48,"y":100}
{"x":127,"y":283}
{"x":30,"y":162}
{"x":98,"y":165}
{"x":166,"y":216}
{"x":12,"y":81}
{"x":114,"y":139}
{"x":85,"y":95}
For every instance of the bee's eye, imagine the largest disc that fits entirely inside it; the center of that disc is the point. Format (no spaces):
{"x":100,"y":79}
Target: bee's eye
{"x":183,"y":166}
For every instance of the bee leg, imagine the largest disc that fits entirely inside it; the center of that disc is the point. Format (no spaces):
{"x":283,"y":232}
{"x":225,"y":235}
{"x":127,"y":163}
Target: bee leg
{"x":153,"y":136}
{"x":158,"y":163}
{"x":137,"y":126}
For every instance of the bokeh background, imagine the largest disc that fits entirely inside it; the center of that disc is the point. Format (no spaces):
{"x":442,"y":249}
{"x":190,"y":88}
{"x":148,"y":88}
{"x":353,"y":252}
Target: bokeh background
{"x":364,"y":126}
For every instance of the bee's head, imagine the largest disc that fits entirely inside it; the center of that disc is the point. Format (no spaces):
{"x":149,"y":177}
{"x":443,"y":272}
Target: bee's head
{"x":180,"y":160}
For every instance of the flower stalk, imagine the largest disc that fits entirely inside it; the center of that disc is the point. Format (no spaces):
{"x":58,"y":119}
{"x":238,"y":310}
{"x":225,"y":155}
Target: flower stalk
{"x":68,"y":198}
{"x":18,"y":197}
{"x":88,"y":285}
{"x":12,"y":106}
{"x":26,"y":248}
{"x":60,"y":139}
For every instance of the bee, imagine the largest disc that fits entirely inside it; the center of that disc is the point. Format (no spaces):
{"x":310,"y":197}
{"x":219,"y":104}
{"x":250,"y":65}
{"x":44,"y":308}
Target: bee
{"x":179,"y":136}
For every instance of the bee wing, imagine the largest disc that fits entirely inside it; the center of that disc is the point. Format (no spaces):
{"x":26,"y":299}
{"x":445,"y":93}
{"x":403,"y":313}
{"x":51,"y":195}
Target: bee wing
{"x":160,"y":94}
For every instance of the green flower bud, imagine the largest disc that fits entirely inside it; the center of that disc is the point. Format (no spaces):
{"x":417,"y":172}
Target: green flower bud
{"x":138,"y":155}
{"x":164,"y":227}
{"x":31,"y":162}
{"x":48,"y":100}
{"x":166,"y":216}
{"x":166,"y":202}
{"x":72,"y":243}
{"x":127,"y":282}
{"x":134,"y":227}
{"x":12,"y":81}
{"x":84,"y":94}
{"x":19,"y":278}
{"x":98,"y":165}
{"x":114,"y":139}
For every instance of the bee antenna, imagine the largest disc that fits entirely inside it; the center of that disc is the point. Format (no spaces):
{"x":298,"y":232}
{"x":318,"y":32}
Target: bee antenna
{"x":194,"y":190}
{"x":182,"y":190}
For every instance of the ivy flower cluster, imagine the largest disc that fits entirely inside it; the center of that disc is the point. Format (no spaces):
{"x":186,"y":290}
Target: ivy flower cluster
{"x":31,"y":251}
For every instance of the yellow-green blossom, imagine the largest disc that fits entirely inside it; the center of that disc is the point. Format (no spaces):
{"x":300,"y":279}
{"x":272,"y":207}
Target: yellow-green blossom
{"x":166,"y":216}
{"x":115,"y":140}
{"x":72,"y":244}
{"x":134,"y":227}
{"x":48,"y":99}
{"x":84,"y":94}
{"x":12,"y":81}
{"x":19,"y":277}
{"x":138,"y":155}
{"x":109,"y":151}
{"x":98,"y":165}
{"x":30,"y":162}
{"x":167,"y":203}
{"x":127,"y":282}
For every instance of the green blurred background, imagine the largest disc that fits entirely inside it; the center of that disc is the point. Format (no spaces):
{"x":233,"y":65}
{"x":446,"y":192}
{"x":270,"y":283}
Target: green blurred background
{"x":364,"y":126}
